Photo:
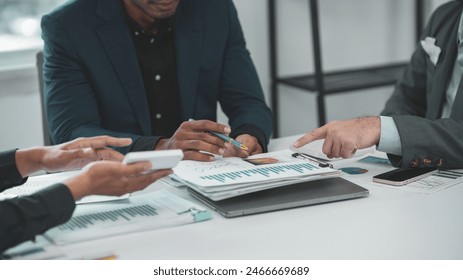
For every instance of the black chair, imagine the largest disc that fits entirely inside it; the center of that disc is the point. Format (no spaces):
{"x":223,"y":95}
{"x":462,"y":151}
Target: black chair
{"x":46,"y":132}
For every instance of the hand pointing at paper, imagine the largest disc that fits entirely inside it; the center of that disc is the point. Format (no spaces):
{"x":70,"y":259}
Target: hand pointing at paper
{"x":343,"y":138}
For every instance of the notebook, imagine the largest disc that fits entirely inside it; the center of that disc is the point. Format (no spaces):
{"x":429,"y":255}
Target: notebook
{"x":290,"y":196}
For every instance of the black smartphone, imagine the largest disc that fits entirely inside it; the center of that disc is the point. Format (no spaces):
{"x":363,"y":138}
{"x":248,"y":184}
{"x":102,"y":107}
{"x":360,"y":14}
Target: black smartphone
{"x":403,"y":176}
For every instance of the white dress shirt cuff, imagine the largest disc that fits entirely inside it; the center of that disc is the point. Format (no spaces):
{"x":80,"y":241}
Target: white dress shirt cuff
{"x":389,"y":141}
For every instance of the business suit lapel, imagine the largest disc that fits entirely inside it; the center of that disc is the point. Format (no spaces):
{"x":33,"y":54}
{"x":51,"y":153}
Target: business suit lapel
{"x":188,"y":40}
{"x":443,"y":69}
{"x":457,"y":112}
{"x":116,"y":39}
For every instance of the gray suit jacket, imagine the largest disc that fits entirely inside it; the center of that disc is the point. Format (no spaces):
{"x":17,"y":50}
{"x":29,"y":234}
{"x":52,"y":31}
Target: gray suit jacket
{"x":417,"y":102}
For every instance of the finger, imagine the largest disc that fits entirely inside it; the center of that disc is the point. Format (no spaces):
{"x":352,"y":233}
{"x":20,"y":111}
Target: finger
{"x":207,"y":125}
{"x":108,"y":154}
{"x":143,"y":181}
{"x":316,"y":134}
{"x":251,"y":143}
{"x":336,"y":150}
{"x":241,"y":153}
{"x":134,"y":169}
{"x":198,"y":156}
{"x":208,"y":138}
{"x":77,"y":157}
{"x":348,"y":151}
{"x":200,"y":145}
{"x":327,"y":146}
{"x":99,"y":142}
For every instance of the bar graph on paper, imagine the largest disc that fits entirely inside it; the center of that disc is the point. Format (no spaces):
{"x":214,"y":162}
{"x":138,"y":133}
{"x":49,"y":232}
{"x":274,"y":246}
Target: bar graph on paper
{"x":236,"y":171}
{"x":259,"y":173}
{"x":125,"y":214}
{"x":141,"y":212}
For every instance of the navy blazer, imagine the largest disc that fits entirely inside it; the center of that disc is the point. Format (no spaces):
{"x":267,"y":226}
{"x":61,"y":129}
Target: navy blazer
{"x":417,"y":102}
{"x":93,"y":83}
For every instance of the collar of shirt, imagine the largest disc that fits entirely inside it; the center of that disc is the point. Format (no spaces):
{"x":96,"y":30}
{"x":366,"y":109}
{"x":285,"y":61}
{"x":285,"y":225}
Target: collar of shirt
{"x":163,"y":27}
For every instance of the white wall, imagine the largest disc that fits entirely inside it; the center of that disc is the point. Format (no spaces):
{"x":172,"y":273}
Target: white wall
{"x":354,"y":33}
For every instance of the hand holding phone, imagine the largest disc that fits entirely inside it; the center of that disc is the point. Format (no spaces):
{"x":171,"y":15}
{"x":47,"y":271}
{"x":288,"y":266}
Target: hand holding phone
{"x":166,"y":159}
{"x":402,"y":176}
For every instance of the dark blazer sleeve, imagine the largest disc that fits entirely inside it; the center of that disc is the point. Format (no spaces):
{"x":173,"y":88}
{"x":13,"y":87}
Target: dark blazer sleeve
{"x":23,"y":218}
{"x":9,"y":174}
{"x":426,"y":140}
{"x":72,"y":104}
{"x":241,"y":95}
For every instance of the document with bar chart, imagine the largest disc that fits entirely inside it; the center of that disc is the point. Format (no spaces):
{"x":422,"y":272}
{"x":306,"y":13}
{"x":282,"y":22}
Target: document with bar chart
{"x":141,"y":212}
{"x":228,"y":177}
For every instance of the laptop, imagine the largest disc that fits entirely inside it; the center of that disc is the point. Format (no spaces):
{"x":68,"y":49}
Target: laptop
{"x":285,"y":197}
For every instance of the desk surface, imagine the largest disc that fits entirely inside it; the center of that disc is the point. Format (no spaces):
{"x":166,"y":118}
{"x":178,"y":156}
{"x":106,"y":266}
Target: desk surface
{"x":389,"y":224}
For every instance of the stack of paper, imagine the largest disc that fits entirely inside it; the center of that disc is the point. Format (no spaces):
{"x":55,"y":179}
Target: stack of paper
{"x":229,"y":177}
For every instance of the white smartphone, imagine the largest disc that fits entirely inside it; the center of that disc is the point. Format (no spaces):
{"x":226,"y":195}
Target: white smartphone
{"x":165,"y":159}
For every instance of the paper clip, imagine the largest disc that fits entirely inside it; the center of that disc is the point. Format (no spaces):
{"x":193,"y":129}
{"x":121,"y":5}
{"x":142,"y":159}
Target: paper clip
{"x":314,"y":159}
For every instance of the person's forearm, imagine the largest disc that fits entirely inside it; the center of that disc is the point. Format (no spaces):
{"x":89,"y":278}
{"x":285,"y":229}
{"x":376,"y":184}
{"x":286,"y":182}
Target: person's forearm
{"x":29,"y":160}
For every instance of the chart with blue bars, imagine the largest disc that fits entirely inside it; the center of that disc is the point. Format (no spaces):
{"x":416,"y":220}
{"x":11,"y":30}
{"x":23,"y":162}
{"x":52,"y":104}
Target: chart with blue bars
{"x":266,"y":172}
{"x":125,"y":214}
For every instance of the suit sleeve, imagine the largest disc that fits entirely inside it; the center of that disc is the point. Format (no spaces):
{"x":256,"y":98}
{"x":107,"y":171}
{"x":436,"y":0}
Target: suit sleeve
{"x":72,"y":107}
{"x":9,"y":174}
{"x":424,"y":142}
{"x":25,"y":217}
{"x":241,"y":95}
{"x":427,"y":142}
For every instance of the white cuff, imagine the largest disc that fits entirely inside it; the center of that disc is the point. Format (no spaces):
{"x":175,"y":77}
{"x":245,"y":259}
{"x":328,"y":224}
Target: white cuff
{"x":389,"y":141}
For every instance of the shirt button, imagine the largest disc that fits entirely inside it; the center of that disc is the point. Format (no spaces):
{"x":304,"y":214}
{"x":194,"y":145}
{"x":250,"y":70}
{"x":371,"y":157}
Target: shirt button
{"x":157,"y":77}
{"x":136,"y":33}
{"x":414,"y":163}
{"x":152,"y":40}
{"x":158,"y":116}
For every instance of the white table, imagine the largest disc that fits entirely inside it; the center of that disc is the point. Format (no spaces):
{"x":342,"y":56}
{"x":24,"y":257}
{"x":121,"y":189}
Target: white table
{"x":389,"y":224}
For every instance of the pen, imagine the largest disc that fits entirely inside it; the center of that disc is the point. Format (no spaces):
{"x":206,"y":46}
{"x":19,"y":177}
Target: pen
{"x":227,"y":139}
{"x":314,"y":159}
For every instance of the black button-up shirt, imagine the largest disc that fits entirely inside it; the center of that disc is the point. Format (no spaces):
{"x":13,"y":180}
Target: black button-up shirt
{"x":156,"y":57}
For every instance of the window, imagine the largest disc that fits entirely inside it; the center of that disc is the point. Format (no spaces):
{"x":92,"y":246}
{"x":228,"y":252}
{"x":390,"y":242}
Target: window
{"x":20,"y":29}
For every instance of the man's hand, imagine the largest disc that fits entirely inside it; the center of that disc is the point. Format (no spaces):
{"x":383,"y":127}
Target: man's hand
{"x":193,"y":138}
{"x":113,"y":178}
{"x":69,"y":156}
{"x":343,"y":138}
{"x":247,"y":140}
